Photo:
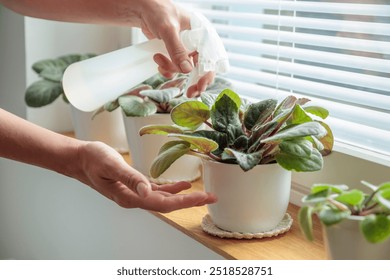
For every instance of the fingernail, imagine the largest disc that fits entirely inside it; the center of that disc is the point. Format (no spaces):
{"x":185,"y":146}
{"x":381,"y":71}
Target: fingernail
{"x":142,"y":189}
{"x":185,"y":66}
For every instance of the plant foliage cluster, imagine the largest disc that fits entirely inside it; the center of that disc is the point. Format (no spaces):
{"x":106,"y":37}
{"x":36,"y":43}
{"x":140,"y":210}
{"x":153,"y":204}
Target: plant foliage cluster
{"x":334,"y":203}
{"x":49,"y":87}
{"x":155,"y":95}
{"x":230,"y":129}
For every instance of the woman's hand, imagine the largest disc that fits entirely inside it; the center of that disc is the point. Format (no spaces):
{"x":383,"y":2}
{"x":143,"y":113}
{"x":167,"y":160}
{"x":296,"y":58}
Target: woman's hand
{"x":105,"y":170}
{"x":163,"y":20}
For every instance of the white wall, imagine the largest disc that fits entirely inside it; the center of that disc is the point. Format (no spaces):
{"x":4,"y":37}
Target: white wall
{"x":44,"y":215}
{"x":12,"y":62}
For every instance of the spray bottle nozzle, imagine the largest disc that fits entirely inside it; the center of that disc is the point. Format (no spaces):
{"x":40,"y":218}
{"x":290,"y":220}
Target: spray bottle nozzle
{"x":204,"y":39}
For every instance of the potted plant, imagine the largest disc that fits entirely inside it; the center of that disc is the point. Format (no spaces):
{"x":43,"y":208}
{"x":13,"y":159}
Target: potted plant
{"x":356,"y":223}
{"x":148,"y":103}
{"x":248,"y":151}
{"x":46,"y":90}
{"x":107,"y":128}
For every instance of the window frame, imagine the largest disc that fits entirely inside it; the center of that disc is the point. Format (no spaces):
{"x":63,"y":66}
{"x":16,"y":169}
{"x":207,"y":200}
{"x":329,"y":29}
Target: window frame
{"x":347,"y":164}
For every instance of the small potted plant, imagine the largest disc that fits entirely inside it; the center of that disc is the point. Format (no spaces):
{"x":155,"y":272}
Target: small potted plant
{"x":356,"y":223}
{"x":107,"y":128}
{"x":151,"y":102}
{"x":248,"y":151}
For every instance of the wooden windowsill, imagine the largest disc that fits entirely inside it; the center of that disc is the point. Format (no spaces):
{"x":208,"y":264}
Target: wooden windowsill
{"x":291,"y":245}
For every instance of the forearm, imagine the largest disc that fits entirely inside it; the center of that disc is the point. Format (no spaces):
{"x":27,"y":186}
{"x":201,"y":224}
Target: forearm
{"x":123,"y":13}
{"x":26,"y":142}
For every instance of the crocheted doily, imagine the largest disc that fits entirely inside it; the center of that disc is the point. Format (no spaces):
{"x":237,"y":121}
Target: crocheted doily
{"x":209,"y":227}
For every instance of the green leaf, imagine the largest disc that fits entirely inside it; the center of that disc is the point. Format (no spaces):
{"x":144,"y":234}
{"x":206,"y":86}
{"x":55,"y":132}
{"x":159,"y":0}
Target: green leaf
{"x":245,"y":103}
{"x":299,"y":115}
{"x":383,"y":197}
{"x":306,"y":222}
{"x":69,"y":58}
{"x":41,"y":65}
{"x":208,"y":98}
{"x":178,"y":83}
{"x":225,"y":117}
{"x":259,"y":112}
{"x":370,"y":186}
{"x":53,"y":70}
{"x":317,"y":143}
{"x":287,"y":103}
{"x":190,"y":114}
{"x":85,"y":56}
{"x":137,"y":89}
{"x":300,"y":130}
{"x":111,"y":106}
{"x":160,"y":130}
{"x":65,"y":98}
{"x":353,"y":197}
{"x":384,"y":186}
{"x":218,"y":85}
{"x":72,"y":58}
{"x":161,"y":95}
{"x":317,"y":197}
{"x":134,"y":106}
{"x":376,"y":228}
{"x":241,"y":143}
{"x":43,"y":92}
{"x":176,"y":101}
{"x":317,"y":111}
{"x":327,"y":141}
{"x":246,"y":161}
{"x":330,"y":216}
{"x":108,"y":106}
{"x":202,"y":144}
{"x":259,"y":133}
{"x":155,"y":81}
{"x":232,"y":96}
{"x":218,"y":137}
{"x":297,"y":147}
{"x":168,"y":154}
{"x":333,"y":188}
{"x":300,"y":164}
{"x":282,"y":118}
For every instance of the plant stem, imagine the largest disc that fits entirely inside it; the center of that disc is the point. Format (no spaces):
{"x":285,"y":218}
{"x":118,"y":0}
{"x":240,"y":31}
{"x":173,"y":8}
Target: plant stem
{"x":214,"y":157}
{"x":367,"y":201}
{"x":269,"y":149}
{"x":208,"y":124}
{"x":197,"y":154}
{"x":339,"y":205}
{"x":368,"y":210}
{"x":205,"y":156}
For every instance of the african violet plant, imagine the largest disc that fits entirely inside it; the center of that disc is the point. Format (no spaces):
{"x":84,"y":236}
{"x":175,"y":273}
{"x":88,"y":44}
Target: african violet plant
{"x":245,"y":133}
{"x":49,"y":87}
{"x":155,"y":95}
{"x":334,"y":203}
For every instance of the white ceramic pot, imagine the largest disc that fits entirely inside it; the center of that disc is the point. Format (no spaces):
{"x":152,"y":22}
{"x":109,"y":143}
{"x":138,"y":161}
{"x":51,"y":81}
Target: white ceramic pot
{"x":106,"y":127}
{"x":144,"y":149}
{"x":248,"y":202}
{"x":345,"y":241}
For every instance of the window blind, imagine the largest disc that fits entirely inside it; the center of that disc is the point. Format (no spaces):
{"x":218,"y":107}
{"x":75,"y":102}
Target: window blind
{"x":337,"y":53}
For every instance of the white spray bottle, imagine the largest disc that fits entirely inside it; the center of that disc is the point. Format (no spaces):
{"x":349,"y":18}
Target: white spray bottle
{"x":90,"y":83}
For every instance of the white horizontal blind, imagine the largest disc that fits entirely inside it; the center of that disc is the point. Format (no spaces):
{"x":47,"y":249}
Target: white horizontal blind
{"x":337,"y":53}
